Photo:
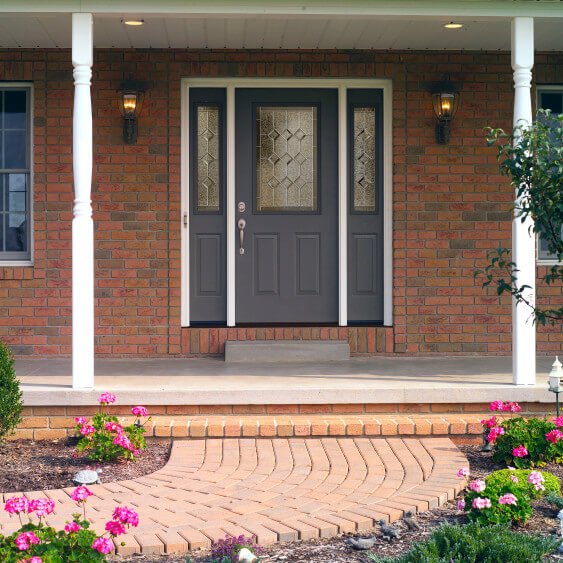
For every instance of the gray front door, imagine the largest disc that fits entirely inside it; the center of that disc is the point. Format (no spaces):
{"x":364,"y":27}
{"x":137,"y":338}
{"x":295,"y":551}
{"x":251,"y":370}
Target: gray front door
{"x":286,"y":205}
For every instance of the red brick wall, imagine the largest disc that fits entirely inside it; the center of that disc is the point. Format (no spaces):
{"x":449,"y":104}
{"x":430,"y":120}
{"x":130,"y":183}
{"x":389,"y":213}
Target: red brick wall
{"x":450,"y":204}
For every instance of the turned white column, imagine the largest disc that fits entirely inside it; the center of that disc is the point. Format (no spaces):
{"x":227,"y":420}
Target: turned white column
{"x":82,"y":224}
{"x":523,"y":239}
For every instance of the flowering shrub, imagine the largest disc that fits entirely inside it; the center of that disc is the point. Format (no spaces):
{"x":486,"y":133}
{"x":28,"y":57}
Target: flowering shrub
{"x":35,"y":542}
{"x":523,"y":442}
{"x":504,"y":496}
{"x":105,"y":439}
{"x":227,"y":550}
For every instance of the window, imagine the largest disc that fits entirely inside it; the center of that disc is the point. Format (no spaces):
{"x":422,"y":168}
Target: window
{"x":15,"y":168}
{"x":549,"y":97}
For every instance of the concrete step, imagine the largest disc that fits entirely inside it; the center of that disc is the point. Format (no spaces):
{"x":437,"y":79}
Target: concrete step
{"x":286,"y":351}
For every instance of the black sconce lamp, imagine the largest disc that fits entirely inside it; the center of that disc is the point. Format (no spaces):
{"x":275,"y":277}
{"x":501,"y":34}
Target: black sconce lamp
{"x":130,"y":102}
{"x":445,"y":100}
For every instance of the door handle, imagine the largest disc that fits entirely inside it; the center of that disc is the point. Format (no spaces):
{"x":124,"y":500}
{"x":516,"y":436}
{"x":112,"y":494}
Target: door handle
{"x":241,"y":226}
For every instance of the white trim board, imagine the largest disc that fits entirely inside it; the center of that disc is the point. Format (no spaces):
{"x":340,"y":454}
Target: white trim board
{"x":231,"y":84}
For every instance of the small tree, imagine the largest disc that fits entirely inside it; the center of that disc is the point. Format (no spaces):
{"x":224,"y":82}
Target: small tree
{"x":10,"y":394}
{"x":532,"y":157}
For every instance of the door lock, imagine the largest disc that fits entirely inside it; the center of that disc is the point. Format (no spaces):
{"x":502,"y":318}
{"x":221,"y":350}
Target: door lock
{"x":241,"y":207}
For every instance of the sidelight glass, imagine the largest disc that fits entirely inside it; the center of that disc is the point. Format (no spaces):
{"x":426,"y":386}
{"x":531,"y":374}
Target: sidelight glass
{"x":208,"y":168}
{"x":286,"y":159}
{"x":14,"y":174}
{"x":364,"y":163}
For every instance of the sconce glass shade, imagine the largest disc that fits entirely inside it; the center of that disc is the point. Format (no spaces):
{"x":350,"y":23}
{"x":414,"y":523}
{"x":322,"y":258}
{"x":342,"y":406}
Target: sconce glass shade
{"x":130,"y":102}
{"x":445,"y":105}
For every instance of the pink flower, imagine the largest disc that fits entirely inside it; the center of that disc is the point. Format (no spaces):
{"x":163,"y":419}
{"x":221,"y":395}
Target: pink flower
{"x":25,"y":540}
{"x":107,"y":398}
{"x":480,"y":503}
{"x":139,"y":411}
{"x":520,"y":451}
{"x":554,"y":436}
{"x":494,"y":433}
{"x":558,"y":421}
{"x":461,"y":505}
{"x":490,"y":422}
{"x":514,"y":407}
{"x":123,"y":441}
{"x":113,"y":427}
{"x":497,"y":406}
{"x":478,"y":485}
{"x":463,"y":472}
{"x":16,"y":505}
{"x":536,"y":478}
{"x":41,"y":506}
{"x":72,"y":527}
{"x":35,"y":559}
{"x":115,"y":528}
{"x":126,"y":515}
{"x":80,"y":420}
{"x":80,"y":494}
{"x":508,"y":498}
{"x":87,"y":429}
{"x":514,"y":479}
{"x":103,"y":545}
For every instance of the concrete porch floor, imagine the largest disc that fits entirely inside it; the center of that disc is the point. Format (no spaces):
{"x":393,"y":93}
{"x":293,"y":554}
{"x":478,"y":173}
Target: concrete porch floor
{"x":189,"y":381}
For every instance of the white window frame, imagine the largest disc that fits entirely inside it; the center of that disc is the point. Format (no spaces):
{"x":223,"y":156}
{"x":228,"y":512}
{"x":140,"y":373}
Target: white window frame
{"x":339,"y":84}
{"x":28,"y":262}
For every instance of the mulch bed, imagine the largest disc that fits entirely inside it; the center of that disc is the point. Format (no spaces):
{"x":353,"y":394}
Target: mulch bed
{"x":50,"y":464}
{"x":336,"y":550}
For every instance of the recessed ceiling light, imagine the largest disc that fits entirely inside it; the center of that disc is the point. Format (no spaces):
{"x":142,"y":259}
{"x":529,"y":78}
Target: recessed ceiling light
{"x":453,"y":25}
{"x":133,"y":22}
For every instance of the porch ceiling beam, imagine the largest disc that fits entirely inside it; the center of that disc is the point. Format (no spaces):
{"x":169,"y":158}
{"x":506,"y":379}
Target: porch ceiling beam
{"x":523,"y":238}
{"x":351,"y":8}
{"x":82,"y":224}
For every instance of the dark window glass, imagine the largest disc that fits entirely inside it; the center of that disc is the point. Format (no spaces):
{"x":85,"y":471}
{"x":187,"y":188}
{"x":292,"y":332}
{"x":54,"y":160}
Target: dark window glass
{"x":552,"y":101}
{"x":14,"y":174}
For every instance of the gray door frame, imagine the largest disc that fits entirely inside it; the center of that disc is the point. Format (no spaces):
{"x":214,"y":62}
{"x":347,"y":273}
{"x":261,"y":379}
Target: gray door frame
{"x":231,"y":84}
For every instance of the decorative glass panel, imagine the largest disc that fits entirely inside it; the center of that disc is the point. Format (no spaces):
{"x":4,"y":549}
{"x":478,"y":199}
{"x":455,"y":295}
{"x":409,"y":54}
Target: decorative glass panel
{"x":364,"y":187}
{"x":208,"y":159}
{"x":286,"y":159}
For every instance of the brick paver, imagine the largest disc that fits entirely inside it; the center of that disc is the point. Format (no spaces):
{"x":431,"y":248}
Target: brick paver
{"x":280,"y":489}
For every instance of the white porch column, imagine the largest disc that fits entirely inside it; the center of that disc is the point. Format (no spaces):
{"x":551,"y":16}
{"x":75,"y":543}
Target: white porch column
{"x":523,"y":240}
{"x":82,"y":225}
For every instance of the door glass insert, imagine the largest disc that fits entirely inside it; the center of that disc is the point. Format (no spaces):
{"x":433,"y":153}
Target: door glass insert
{"x":208,"y":158}
{"x":286,"y":159}
{"x":364,"y":188}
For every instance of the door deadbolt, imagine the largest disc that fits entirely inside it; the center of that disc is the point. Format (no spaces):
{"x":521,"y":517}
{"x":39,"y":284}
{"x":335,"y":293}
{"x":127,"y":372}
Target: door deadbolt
{"x":241,"y":207}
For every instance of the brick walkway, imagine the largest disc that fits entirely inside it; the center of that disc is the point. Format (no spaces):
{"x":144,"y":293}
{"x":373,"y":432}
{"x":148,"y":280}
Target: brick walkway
{"x":280,"y":489}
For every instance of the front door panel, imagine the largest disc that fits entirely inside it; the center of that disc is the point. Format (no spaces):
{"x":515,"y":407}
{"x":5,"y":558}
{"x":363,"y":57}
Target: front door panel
{"x":287,"y":179}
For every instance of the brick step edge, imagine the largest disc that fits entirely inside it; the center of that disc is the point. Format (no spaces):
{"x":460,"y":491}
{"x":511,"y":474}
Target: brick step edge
{"x":45,"y":428}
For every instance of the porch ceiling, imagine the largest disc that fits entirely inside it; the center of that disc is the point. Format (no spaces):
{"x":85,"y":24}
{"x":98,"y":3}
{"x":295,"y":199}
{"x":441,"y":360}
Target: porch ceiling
{"x":53,"y":30}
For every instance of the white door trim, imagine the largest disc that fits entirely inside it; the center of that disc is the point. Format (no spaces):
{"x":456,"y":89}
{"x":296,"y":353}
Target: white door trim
{"x":340,"y":84}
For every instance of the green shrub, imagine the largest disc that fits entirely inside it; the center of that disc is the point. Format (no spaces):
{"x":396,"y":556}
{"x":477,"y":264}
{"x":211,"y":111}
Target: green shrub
{"x":531,"y":434}
{"x":551,"y":482}
{"x":504,"y":496}
{"x":11,"y":403}
{"x":476,"y":544}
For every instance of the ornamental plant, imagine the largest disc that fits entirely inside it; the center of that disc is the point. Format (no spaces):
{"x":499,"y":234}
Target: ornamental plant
{"x":11,"y":403}
{"x":105,"y":439}
{"x":37,"y":542}
{"x":474,"y":543}
{"x":504,"y":496}
{"x":226,"y":550}
{"x":523,"y":442}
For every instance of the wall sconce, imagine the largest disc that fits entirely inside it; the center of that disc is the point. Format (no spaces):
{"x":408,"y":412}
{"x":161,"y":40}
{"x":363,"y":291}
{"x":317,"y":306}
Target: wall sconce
{"x":130,"y":102}
{"x":445,"y":100}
